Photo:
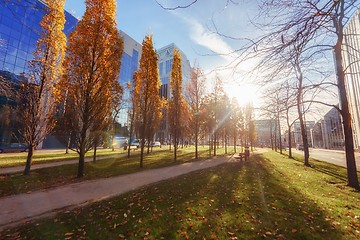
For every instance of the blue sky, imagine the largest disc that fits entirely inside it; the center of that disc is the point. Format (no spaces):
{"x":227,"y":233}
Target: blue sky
{"x":190,"y":29}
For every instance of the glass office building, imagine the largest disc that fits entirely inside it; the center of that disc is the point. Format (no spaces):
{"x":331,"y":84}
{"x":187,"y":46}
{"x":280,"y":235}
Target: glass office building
{"x":129,"y":63}
{"x":166,"y":56}
{"x":351,"y":51}
{"x":19,"y":32}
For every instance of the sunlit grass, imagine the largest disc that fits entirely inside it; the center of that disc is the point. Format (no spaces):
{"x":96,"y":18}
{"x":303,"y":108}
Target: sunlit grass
{"x":112,"y":166}
{"x":19,"y":159}
{"x":269,"y":196}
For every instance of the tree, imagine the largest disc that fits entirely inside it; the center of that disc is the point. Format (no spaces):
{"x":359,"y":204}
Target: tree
{"x":320,"y":24}
{"x":92,"y":68}
{"x":195,"y":90}
{"x":146,"y":92}
{"x":176,"y":100}
{"x":5,"y":87}
{"x":38,"y":95}
{"x":217,"y":95}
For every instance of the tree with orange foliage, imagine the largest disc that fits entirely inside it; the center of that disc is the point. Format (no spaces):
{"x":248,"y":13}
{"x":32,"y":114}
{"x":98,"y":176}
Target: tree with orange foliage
{"x":38,"y":96}
{"x":174,"y":108}
{"x":92,"y":68}
{"x":146,"y":94}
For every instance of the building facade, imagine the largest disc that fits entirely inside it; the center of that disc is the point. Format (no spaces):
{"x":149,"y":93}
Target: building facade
{"x":19,"y":32}
{"x":266,"y":130}
{"x":129,"y":63}
{"x":351,"y":56}
{"x":328,"y":132}
{"x":309,"y":125}
{"x":166,"y":55}
{"x":19,"y":28}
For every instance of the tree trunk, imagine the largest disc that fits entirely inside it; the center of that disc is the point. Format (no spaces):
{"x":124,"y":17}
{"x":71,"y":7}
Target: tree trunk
{"x":271,"y":136}
{"x":81,"y":162}
{"x":214,"y":143}
{"x":280,"y":142}
{"x":345,"y":113}
{"x":95,"y":148}
{"x":300,"y":113}
{"x":235,"y":143}
{"x":289,"y":137}
{"x":29,"y":160}
{"x":196,"y":140}
{"x":175,"y":144}
{"x":225,"y":144}
{"x":67,"y":145}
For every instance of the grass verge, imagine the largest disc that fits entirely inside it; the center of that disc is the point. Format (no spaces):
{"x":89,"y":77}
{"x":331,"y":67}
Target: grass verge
{"x":269,"y":196}
{"x":110,"y":167}
{"x":19,"y":159}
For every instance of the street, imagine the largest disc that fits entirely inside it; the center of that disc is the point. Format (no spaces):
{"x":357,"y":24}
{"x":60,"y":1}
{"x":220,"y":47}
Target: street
{"x":332,"y":156}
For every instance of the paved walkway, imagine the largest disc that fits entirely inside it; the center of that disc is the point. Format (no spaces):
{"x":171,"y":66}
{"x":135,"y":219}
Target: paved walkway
{"x":24,"y":207}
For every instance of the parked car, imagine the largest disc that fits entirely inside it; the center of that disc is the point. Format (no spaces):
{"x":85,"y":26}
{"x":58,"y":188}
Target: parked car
{"x":120,"y":142}
{"x":135,"y":143}
{"x":156,"y":144}
{"x":13,"y":147}
{"x":300,"y":147}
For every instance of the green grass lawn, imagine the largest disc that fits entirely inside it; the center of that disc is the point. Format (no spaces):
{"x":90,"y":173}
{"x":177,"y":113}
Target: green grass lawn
{"x":19,"y":159}
{"x":269,"y":196}
{"x":112,"y":166}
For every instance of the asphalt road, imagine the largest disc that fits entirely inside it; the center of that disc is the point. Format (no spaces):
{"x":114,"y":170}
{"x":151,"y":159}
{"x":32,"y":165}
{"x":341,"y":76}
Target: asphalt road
{"x":332,"y":156}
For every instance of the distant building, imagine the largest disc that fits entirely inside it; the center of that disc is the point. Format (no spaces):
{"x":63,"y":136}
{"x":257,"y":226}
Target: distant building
{"x":318,"y":139}
{"x":328,"y":132}
{"x":265,"y":132}
{"x":351,"y":51}
{"x":166,"y":55}
{"x":297,"y":132}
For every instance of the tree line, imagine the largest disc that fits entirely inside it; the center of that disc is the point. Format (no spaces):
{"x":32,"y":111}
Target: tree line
{"x":72,"y":89}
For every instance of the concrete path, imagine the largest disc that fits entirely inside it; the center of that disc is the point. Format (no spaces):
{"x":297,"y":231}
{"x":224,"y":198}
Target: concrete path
{"x":24,"y":207}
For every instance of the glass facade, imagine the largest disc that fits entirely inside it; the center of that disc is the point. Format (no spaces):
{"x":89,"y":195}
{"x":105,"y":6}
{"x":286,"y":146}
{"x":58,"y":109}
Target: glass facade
{"x":129,"y":64}
{"x":166,"y":55}
{"x":19,"y":32}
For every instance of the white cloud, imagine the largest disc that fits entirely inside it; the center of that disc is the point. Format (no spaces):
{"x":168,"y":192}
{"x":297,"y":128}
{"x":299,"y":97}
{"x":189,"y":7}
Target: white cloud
{"x":210,"y":40}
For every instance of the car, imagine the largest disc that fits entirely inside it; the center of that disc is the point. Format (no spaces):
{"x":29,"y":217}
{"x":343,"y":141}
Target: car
{"x":300,"y":147}
{"x":120,"y":142}
{"x":156,"y":144}
{"x":13,"y":147}
{"x":135,"y":143}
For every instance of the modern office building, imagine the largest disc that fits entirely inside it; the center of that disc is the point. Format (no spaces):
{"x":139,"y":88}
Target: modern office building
{"x":129,"y":63}
{"x":19,"y":32}
{"x":328,"y":132}
{"x":19,"y":28}
{"x":309,"y":125}
{"x":265,"y":132}
{"x":351,"y":53}
{"x":166,"y":55}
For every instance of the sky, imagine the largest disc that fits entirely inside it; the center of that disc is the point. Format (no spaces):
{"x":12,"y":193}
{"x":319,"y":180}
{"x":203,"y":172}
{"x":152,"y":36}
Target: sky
{"x":192,"y":30}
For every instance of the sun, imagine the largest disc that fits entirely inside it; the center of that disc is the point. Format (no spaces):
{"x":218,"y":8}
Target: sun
{"x":244,"y":93}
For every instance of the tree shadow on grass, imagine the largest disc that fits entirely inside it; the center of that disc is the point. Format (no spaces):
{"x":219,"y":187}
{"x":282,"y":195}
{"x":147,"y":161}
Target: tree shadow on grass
{"x":329,"y":169}
{"x":240,"y":200}
{"x":262,"y":205}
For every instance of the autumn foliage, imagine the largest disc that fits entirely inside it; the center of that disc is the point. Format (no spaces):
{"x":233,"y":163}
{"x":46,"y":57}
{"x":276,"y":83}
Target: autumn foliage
{"x":39,"y":97}
{"x":92,"y":69}
{"x":147,"y":102}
